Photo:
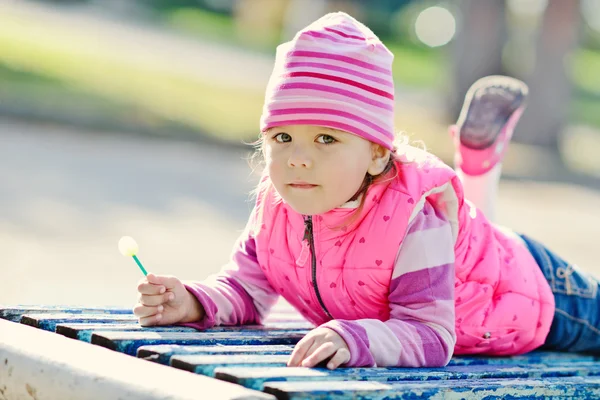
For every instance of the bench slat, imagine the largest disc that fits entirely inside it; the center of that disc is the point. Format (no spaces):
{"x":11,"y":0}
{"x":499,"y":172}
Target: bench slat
{"x":129,"y":342}
{"x":206,"y":364}
{"x":43,"y":365}
{"x":255,"y":377}
{"x":163,"y":353}
{"x":48,"y":322}
{"x":255,"y":357}
{"x":14,"y":313}
{"x":535,"y":357}
{"x":84,"y":331}
{"x":572,"y":387}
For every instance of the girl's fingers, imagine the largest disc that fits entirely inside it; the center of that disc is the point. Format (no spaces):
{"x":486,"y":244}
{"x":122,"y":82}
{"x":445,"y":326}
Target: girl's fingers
{"x":340,"y":357}
{"x":300,"y":351}
{"x":144,"y":287}
{"x":154,"y":292}
{"x":316,"y":343}
{"x":150,"y":321}
{"x":323,"y":352}
{"x":167,"y":281}
{"x":142,"y":311}
{"x":156,"y":300}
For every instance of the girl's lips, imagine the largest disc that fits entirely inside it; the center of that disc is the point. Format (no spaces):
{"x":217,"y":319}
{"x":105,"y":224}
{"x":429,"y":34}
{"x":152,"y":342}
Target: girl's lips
{"x":302,"y":185}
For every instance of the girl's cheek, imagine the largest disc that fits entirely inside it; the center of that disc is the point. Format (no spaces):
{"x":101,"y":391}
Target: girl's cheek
{"x":270,"y":153}
{"x":270,"y":161}
{"x":274,"y":156}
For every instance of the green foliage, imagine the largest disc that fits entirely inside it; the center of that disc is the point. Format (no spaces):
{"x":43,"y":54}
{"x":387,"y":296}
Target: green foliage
{"x":51,"y":66}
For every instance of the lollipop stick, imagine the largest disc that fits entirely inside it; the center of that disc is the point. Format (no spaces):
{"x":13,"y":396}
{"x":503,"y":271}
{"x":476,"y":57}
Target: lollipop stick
{"x":140,"y":265}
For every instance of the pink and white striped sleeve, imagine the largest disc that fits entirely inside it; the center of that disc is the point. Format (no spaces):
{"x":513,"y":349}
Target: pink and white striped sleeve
{"x":240,"y":293}
{"x":420,"y":331}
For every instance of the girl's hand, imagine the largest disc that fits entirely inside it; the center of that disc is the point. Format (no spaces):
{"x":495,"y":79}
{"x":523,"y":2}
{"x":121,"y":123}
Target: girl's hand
{"x":319,"y":345}
{"x":164,"y":300}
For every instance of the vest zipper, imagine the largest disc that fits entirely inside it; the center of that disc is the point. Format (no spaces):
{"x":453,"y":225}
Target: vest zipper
{"x":308,"y":235}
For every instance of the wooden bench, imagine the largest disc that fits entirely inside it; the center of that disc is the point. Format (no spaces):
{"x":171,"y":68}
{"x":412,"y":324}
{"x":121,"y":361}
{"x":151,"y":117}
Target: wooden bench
{"x":113,"y":357}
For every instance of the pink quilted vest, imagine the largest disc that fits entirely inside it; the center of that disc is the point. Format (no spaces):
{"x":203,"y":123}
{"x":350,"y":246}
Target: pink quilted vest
{"x":329,"y":266}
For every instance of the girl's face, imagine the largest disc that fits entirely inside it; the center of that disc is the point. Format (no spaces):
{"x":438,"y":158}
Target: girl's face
{"x":316,"y":169}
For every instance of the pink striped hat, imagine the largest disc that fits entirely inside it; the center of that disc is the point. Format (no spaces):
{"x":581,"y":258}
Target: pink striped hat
{"x":334,"y":73}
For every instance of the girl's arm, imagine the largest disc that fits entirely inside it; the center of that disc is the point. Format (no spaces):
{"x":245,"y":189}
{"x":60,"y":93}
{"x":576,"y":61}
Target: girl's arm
{"x":420,"y":331}
{"x":240,"y":293}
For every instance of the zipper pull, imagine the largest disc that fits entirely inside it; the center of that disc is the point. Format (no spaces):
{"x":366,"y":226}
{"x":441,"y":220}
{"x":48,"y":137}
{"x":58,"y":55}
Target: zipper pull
{"x":305,"y":251}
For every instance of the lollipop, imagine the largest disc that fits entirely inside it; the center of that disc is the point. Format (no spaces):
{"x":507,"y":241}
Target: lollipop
{"x":128,"y":247}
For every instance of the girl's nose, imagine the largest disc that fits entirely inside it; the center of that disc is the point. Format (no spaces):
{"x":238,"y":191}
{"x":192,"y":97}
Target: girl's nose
{"x":299,"y":158}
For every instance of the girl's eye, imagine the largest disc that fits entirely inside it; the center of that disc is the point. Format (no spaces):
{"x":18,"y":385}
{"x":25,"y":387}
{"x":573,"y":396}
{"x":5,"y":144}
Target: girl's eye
{"x":282,"y":137}
{"x":326,"y":139}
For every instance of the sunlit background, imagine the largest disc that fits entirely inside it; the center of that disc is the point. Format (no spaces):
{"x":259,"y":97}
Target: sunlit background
{"x":128,"y":117}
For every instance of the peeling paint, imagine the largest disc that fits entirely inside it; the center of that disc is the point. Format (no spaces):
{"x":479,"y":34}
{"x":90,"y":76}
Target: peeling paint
{"x":31,"y":391}
{"x":36,"y":365}
{"x":252,"y":358}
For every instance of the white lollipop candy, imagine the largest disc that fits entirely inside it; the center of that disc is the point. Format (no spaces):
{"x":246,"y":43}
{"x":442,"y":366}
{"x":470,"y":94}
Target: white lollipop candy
{"x":129,"y":248}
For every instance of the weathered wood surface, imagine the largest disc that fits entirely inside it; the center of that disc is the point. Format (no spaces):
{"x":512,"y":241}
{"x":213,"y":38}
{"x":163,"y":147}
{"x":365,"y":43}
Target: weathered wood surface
{"x":129,"y":342}
{"x":574,"y":387}
{"x":255,"y":357}
{"x":206,"y":364}
{"x":14,"y":313}
{"x":48,"y":322}
{"x":255,"y":377}
{"x":37,"y":364}
{"x":163,"y":353}
{"x":83,"y":331}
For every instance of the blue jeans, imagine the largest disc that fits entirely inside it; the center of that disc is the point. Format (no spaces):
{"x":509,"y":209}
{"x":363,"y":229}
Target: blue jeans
{"x":576,"y":324}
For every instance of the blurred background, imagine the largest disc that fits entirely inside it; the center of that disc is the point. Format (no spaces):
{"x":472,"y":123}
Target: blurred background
{"x":129,"y":117}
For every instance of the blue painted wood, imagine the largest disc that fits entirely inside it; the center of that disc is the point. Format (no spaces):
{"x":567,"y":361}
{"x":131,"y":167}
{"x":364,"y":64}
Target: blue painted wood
{"x":557,"y":388}
{"x":242,"y":354}
{"x":163,"y":353}
{"x":255,"y":377}
{"x":84,"y":331}
{"x":129,"y":342}
{"x":14,"y":313}
{"x":206,"y":364}
{"x":48,"y":322}
{"x":535,"y":357}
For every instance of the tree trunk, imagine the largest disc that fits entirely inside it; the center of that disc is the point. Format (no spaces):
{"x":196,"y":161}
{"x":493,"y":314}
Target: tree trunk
{"x":477,"y":48}
{"x":549,"y":84}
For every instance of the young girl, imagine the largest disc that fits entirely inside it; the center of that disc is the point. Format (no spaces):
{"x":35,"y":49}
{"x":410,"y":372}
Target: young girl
{"x":374,"y":243}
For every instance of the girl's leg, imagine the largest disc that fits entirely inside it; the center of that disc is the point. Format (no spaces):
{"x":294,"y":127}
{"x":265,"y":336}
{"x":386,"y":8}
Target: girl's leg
{"x":576,"y":324}
{"x":482,"y":190}
{"x":492,"y":108}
